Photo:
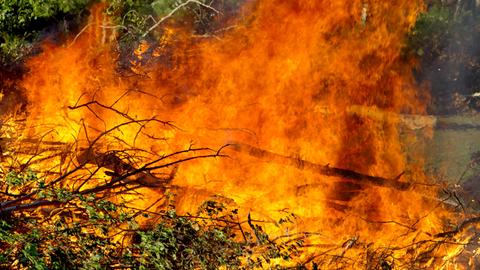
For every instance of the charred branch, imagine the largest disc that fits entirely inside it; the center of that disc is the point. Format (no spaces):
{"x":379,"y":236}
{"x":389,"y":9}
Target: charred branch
{"x":462,"y":227}
{"x":124,"y":178}
{"x":327,"y":170}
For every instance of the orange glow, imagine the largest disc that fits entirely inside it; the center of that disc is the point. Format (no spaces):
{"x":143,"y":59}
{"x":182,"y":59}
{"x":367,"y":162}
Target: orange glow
{"x":318,"y":81}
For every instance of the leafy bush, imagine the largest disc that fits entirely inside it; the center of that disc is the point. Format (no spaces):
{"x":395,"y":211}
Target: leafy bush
{"x":432,"y":30}
{"x":137,"y":20}
{"x":22,"y":21}
{"x":64,"y":229}
{"x":446,"y":39}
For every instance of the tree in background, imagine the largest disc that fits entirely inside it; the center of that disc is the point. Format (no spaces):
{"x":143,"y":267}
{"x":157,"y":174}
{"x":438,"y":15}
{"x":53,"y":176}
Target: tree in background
{"x":24,"y":23}
{"x":446,"y":39}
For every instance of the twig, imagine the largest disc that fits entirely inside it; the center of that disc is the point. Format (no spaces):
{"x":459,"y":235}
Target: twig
{"x":79,"y":34}
{"x":161,"y":20}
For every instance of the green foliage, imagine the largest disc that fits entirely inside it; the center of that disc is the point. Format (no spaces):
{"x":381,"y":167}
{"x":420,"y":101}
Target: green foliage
{"x":16,"y":15}
{"x":446,"y":39}
{"x":133,"y":15}
{"x":185,"y":243}
{"x":135,"y":18}
{"x":438,"y":27}
{"x":14,"y":178}
{"x":21,"y":22}
{"x":90,"y":232}
{"x":431,"y":31}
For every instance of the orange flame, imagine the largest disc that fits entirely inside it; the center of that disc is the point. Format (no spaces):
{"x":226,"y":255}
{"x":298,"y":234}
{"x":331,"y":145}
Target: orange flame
{"x":319,"y":81}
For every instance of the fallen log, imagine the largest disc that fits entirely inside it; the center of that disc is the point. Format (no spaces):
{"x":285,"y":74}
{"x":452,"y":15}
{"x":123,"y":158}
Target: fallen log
{"x":320,"y":169}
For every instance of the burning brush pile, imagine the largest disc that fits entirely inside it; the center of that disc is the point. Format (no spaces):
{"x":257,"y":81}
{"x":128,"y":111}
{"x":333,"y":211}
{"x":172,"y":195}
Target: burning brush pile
{"x":282,"y":138}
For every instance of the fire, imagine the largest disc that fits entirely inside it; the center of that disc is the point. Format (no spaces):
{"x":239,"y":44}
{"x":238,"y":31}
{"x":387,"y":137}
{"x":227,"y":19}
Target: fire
{"x":322,"y":82}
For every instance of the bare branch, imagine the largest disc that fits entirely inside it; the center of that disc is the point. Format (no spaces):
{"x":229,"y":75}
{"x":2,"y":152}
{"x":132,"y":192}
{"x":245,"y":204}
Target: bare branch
{"x":161,"y":20}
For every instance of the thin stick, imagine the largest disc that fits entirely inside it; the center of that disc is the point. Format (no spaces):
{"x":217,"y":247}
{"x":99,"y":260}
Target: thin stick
{"x":161,"y":20}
